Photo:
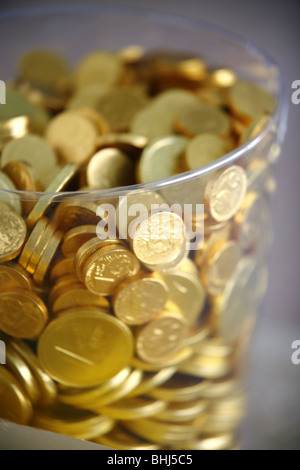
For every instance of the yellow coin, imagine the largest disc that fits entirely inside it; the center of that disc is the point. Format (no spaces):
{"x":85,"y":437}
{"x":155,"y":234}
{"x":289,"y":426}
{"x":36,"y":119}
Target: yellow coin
{"x":61,"y":268}
{"x":132,"y":144}
{"x":161,"y":158}
{"x":161,"y":338}
{"x":22,"y":314}
{"x":133,"y":408}
{"x":223,"y":78}
{"x":182,"y":412}
{"x":152,"y":380}
{"x":219,"y":442}
{"x":119,"y":439}
{"x":9,"y":195}
{"x":73,"y":213}
{"x":64,"y":419}
{"x":187,"y":292}
{"x":181,"y":388}
{"x":47,"y":257}
{"x":73,"y":137}
{"x":46,"y":384}
{"x":59,"y":182}
{"x":138,"y":300}
{"x":15,"y":406}
{"x":159,"y":242}
{"x":23,"y":374}
{"x":79,"y":349}
{"x":204,"y":149}
{"x":199,"y":118}
{"x":173,"y":361}
{"x":109,"y":168}
{"x":99,"y":67}
{"x":21,"y":175}
{"x":256,"y":126}
{"x":225,"y":193}
{"x":206,"y":367}
{"x":248,"y":100}
{"x":107,"y":267}
{"x":33,"y":150}
{"x":12,"y":275}
{"x":76,"y":237}
{"x":75,"y":298}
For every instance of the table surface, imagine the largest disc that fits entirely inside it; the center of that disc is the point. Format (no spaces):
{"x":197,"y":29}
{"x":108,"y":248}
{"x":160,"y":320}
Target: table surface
{"x":274,"y":382}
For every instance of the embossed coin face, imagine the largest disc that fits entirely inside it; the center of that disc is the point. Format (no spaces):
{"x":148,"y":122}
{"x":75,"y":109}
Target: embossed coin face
{"x":106,"y":268}
{"x":12,"y":234}
{"x":161,"y":338}
{"x":22,"y":314}
{"x":139,"y":300}
{"x":15,"y":406}
{"x":225,"y":193}
{"x":160,"y":240}
{"x":85,"y":348}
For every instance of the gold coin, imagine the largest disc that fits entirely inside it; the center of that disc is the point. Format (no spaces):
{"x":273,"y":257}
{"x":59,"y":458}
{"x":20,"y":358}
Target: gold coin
{"x":47,"y":258}
{"x":197,"y":333}
{"x":165,"y":433}
{"x":161,"y":158}
{"x":43,"y":69}
{"x":213,"y":237}
{"x":59,"y":182}
{"x":15,"y":406}
{"x":152,"y":380}
{"x":106,"y":268}
{"x":122,"y":391}
{"x":40,"y":248}
{"x":81,"y":398}
{"x":159,"y":242}
{"x":179,"y":358}
{"x":223,"y":78}
{"x":219,"y":265}
{"x":187,"y":292}
{"x":21,"y":175}
{"x":62,"y":268}
{"x":33,"y":241}
{"x":12,"y":275}
{"x":18,"y":105}
{"x":124,"y":218}
{"x":109,"y":168}
{"x":248,"y":100}
{"x":74,"y":298}
{"x":9,"y":195}
{"x":88,"y":96}
{"x":249,"y":221}
{"x":138,"y":300}
{"x":223,"y":441}
{"x":199,"y":118}
{"x":187,"y":266}
{"x":12,"y":234}
{"x":22,"y":314}
{"x":182,"y":412}
{"x":99,"y":67}
{"x":64,"y":419}
{"x":14,"y":128}
{"x":133,"y":408}
{"x":132,"y":144}
{"x":72,"y":136}
{"x":207,"y":367}
{"x":119,"y":439}
{"x":76,"y":237}
{"x":46,"y":384}
{"x":152,"y":123}
{"x":225,"y":192}
{"x":238,"y":301}
{"x":180,"y":388}
{"x":71,"y":214}
{"x":132,"y":54}
{"x":89,"y":248}
{"x":161,"y":338}
{"x":98,"y":121}
{"x":119,"y":106}
{"x":221,"y":388}
{"x":204,"y":149}
{"x":78,"y":349}
{"x":64,"y":284}
{"x":33,"y":150}
{"x":23,"y":374}
{"x":212,"y":95}
{"x":214,"y":347}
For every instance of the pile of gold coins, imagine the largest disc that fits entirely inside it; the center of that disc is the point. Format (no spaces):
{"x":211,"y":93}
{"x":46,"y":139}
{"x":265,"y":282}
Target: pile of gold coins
{"x":131,"y":342}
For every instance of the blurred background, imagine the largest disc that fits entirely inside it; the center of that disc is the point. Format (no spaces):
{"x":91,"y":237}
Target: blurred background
{"x":274,"y":412}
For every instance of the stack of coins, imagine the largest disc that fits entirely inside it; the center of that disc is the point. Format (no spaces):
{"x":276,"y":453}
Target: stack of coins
{"x":134,"y":339}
